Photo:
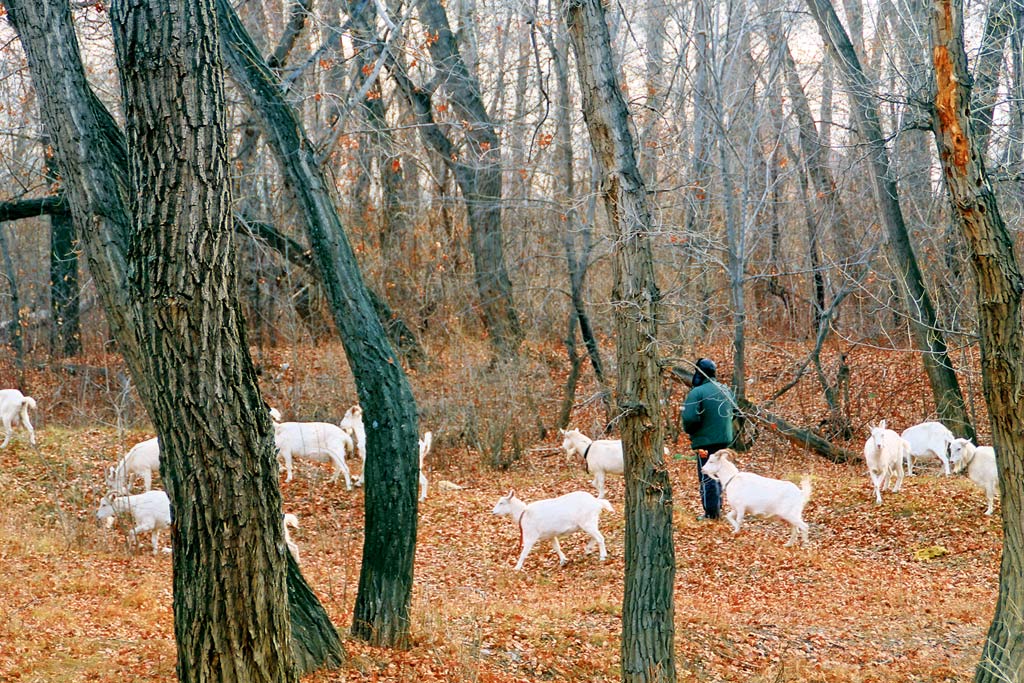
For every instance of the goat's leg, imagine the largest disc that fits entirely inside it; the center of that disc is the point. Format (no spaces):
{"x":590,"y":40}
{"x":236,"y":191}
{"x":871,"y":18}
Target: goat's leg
{"x":990,"y":494}
{"x":424,"y":484}
{"x":562,"y":559}
{"x":28,"y":424}
{"x":147,"y":479}
{"x":527,"y":547}
{"x":7,"y":428}
{"x":735,"y":518}
{"x":945,"y":463}
{"x":899,"y":477}
{"x":910,"y":465}
{"x":155,"y":536}
{"x":599,"y":483}
{"x":598,"y":538}
{"x":287,"y":457}
{"x":340,"y":467}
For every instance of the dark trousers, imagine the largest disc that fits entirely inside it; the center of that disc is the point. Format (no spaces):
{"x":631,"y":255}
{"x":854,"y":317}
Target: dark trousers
{"x":710,"y":489}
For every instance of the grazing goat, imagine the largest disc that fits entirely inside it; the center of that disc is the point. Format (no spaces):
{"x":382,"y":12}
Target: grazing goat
{"x":141,"y":461}
{"x":14,"y":407}
{"x":290,"y":520}
{"x":352,"y":423}
{"x":319,"y":441}
{"x":425,"y":444}
{"x":928,"y":439}
{"x":884,"y":453}
{"x":599,"y":457}
{"x":554,"y":517}
{"x":151,"y":511}
{"x":980,"y":463}
{"x":747,"y":492}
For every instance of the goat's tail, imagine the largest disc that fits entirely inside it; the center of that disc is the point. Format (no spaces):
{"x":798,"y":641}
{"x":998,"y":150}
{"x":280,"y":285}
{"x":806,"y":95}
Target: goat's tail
{"x":28,"y":402}
{"x":606,"y":505}
{"x":805,"y":486}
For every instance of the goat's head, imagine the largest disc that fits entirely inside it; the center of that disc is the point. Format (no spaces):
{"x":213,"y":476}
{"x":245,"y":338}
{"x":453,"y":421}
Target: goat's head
{"x":504,"y":506}
{"x":569,"y":439}
{"x":878,"y":433}
{"x":961,"y":452}
{"x":715,"y":461}
{"x":106,"y":511}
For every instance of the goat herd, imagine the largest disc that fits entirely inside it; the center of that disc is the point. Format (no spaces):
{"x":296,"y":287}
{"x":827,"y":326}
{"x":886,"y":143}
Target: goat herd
{"x":885,"y":453}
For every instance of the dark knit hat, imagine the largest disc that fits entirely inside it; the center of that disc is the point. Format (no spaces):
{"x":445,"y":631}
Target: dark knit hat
{"x":705,"y":369}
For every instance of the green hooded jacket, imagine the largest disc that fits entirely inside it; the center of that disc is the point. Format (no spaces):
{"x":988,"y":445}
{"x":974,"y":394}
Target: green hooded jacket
{"x":707,"y":414}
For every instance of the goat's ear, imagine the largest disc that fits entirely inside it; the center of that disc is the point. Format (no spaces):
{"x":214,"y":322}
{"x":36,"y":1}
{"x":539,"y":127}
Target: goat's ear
{"x":881,"y":424}
{"x":511,"y":494}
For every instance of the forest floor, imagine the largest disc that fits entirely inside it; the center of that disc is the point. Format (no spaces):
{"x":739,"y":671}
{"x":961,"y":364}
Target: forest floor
{"x":903,"y":591}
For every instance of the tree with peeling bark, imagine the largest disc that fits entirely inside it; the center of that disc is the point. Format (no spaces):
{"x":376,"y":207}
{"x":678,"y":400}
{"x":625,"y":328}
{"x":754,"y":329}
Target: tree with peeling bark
{"x":648,"y":625}
{"x":234,"y":510}
{"x":1000,"y":287}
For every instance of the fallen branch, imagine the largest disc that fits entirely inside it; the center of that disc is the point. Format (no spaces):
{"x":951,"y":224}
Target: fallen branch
{"x":805,"y":438}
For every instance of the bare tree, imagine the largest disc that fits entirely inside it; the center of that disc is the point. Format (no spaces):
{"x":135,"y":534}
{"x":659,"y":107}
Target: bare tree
{"x":648,"y":625}
{"x":1000,"y":287}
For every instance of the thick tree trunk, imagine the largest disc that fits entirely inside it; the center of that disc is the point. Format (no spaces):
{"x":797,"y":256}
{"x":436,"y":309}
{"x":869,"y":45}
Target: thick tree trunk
{"x":924,"y":326}
{"x":647,"y":612}
{"x":92,"y":158}
{"x":14,"y":333}
{"x":217,"y":449}
{"x":392,"y":464}
{"x":1000,"y":288}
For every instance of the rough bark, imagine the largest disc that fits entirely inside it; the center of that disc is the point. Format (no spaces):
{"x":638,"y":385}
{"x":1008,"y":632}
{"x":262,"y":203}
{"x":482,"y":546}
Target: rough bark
{"x":392,"y":465}
{"x":1000,"y":286}
{"x":928,"y":337}
{"x":647,"y":610}
{"x":217,"y":450}
{"x":91,"y":154}
{"x":14,"y":330}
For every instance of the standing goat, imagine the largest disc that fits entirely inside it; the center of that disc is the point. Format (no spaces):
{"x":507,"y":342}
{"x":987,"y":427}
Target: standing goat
{"x":600,"y":457}
{"x":319,"y":441}
{"x":352,"y":423}
{"x":150,"y":511}
{"x":928,"y":439}
{"x":14,"y":407}
{"x":554,"y":517}
{"x":747,"y":492}
{"x":980,"y":463}
{"x":884,"y":453}
{"x":141,"y":461}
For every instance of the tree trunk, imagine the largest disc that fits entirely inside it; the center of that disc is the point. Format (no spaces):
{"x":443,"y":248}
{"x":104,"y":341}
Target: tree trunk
{"x":218,"y":460}
{"x":1000,"y":286}
{"x":477,"y":170}
{"x":14,"y":333}
{"x":927,"y":334}
{"x":65,"y":332}
{"x":647,"y":610}
{"x":392,"y":464}
{"x":91,"y":155}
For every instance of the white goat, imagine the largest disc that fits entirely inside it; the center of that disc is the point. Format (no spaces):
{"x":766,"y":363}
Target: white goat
{"x":352,"y":423}
{"x":151,"y":511}
{"x":425,"y":444}
{"x":14,"y":407}
{"x":928,"y":439}
{"x":884,"y":453}
{"x":980,"y":463}
{"x":554,"y":517}
{"x":600,"y":457}
{"x":141,"y":461}
{"x":747,"y":492}
{"x":319,"y":441}
{"x":290,"y":520}
{"x":275,"y":414}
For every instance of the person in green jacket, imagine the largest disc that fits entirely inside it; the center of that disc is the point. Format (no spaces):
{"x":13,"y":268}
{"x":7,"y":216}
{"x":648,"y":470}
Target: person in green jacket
{"x":707,"y":418}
